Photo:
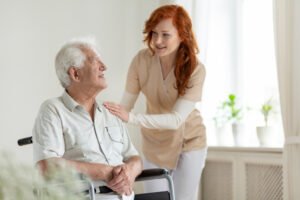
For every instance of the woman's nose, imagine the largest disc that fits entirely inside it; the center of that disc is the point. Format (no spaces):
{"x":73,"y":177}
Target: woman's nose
{"x":158,"y":40}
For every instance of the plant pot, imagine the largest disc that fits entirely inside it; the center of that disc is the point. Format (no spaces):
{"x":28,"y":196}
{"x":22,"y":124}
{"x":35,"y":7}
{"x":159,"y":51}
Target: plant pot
{"x":238,"y":131}
{"x":264,"y":134}
{"x":223,"y":134}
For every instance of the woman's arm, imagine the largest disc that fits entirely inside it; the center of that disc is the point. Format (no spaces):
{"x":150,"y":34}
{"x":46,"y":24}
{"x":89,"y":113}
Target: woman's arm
{"x":173,"y":120}
{"x":128,"y":100}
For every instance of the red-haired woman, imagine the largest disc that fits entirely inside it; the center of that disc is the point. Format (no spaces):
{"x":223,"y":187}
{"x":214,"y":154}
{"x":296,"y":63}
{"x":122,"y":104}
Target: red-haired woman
{"x":171,"y":78}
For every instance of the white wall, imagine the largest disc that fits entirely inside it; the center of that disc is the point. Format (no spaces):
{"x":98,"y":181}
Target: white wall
{"x":31,"y":33}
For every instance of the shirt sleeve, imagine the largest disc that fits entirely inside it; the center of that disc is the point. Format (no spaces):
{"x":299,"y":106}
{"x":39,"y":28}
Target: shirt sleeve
{"x":128,"y":100}
{"x":47,"y":134}
{"x":173,"y":120}
{"x":132,"y":81}
{"x":128,"y":147}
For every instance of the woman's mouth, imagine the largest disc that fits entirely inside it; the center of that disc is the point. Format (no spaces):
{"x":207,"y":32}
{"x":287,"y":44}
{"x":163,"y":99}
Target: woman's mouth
{"x":160,"y":48}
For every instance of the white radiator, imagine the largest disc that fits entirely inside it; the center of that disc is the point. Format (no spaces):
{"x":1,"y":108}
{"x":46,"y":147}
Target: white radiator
{"x":242,"y":174}
{"x":264,"y":182}
{"x":217,"y":181}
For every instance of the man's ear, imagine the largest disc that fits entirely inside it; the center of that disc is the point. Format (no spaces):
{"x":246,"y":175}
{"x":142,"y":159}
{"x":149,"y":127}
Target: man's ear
{"x":73,"y":73}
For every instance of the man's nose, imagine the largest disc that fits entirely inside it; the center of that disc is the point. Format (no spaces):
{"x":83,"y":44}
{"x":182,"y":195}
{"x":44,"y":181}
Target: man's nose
{"x":103,"y":67}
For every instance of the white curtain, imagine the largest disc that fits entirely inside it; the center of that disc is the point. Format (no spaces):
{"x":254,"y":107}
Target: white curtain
{"x":213,"y":23}
{"x":287,"y":29}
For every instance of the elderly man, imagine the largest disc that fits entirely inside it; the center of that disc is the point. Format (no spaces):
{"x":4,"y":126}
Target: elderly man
{"x":76,"y":128}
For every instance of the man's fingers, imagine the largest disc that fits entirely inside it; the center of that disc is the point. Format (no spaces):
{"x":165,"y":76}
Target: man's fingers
{"x":123,"y":190}
{"x":116,"y":180}
{"x":119,"y":186}
{"x":117,"y":170}
{"x":128,"y":192}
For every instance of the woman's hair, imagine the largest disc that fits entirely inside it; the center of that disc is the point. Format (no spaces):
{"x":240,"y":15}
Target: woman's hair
{"x":186,"y":59}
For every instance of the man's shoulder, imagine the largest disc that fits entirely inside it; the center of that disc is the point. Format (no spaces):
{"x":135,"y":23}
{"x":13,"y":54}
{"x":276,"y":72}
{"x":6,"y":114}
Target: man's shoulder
{"x":51,"y":104}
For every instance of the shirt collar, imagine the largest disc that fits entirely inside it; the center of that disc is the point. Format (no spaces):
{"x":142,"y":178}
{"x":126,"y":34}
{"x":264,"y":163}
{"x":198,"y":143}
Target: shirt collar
{"x":70,"y":103}
{"x":98,"y":106}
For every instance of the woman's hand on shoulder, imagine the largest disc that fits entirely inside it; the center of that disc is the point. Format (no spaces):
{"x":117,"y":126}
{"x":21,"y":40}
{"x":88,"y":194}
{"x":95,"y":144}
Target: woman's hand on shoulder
{"x":117,"y":110}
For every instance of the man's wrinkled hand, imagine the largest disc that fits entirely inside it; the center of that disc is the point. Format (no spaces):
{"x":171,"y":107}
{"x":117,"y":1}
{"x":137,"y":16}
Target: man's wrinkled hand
{"x":122,"y":180}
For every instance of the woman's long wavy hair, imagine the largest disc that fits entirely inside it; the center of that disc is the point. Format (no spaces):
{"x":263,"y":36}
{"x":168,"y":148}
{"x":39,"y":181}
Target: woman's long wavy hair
{"x":186,"y":59}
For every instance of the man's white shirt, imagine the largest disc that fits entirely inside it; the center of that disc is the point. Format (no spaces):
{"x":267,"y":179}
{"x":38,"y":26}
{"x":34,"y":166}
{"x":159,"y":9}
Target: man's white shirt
{"x":63,"y":128}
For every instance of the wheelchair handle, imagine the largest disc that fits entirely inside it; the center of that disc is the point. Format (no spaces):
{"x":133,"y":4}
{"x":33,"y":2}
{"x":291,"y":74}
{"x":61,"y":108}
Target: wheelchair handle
{"x":25,"y":141}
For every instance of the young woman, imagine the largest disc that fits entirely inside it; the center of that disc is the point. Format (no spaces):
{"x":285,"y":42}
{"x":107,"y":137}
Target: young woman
{"x":171,"y":77}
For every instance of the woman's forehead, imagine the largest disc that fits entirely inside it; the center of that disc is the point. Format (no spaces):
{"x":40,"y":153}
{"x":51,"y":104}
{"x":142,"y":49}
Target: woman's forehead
{"x":165,"y":25}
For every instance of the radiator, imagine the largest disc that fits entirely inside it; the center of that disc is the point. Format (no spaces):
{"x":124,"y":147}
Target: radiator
{"x":264,"y":182}
{"x":217,"y":181}
{"x":237,"y":174}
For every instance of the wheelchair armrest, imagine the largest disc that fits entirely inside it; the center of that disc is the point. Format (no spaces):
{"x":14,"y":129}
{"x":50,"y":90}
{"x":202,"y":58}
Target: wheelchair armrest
{"x":157,"y":173}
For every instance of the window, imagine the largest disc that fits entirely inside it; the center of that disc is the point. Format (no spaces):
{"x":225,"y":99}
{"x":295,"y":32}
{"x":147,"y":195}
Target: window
{"x":240,"y":60}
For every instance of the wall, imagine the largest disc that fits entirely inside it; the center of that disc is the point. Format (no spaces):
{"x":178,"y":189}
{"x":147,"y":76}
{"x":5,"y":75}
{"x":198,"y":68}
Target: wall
{"x":31,"y":33}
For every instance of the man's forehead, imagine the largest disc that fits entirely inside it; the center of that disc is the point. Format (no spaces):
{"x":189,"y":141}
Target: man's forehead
{"x":91,"y":54}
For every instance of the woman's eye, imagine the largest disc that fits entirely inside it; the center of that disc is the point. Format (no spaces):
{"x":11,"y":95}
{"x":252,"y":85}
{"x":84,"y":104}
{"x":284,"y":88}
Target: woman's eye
{"x":154,"y":33}
{"x":166,"y":35}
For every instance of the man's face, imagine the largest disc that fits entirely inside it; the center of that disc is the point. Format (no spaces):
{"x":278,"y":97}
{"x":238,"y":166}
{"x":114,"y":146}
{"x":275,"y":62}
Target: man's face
{"x":92,"y":73}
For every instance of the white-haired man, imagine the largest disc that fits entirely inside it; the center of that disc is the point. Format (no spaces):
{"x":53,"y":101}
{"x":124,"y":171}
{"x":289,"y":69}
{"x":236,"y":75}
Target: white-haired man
{"x":76,"y":128}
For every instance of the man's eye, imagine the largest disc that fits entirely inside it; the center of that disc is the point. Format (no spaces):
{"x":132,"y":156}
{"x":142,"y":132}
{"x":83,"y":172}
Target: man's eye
{"x":95,"y":60}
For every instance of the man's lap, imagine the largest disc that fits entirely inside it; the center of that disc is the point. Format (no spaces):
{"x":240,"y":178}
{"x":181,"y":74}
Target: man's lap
{"x":112,"y":196}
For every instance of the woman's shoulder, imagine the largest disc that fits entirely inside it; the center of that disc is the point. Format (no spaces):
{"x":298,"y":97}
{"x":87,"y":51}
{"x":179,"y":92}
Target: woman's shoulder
{"x":200,"y":64}
{"x":143,"y":59}
{"x":200,"y":68}
{"x":144,"y":54}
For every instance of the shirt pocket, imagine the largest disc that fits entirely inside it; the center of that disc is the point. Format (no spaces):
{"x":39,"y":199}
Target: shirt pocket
{"x":115,"y":134}
{"x":116,"y":140}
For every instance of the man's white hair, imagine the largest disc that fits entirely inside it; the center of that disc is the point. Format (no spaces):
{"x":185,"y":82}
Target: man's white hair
{"x":71,"y":54}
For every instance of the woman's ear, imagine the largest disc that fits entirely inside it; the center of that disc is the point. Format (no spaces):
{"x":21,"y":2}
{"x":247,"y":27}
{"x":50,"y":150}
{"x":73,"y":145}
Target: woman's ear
{"x":73,"y":72}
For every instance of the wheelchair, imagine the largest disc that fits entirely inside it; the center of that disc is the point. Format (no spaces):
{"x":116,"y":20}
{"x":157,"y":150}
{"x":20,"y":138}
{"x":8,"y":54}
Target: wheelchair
{"x":148,"y":174}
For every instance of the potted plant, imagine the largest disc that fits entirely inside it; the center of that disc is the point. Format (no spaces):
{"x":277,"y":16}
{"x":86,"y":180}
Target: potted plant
{"x":222,"y":126}
{"x":235,"y":117}
{"x":228,"y":118}
{"x":264,"y":132}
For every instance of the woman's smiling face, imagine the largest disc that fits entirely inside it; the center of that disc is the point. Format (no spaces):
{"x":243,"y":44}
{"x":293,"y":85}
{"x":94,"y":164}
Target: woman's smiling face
{"x":165,"y":38}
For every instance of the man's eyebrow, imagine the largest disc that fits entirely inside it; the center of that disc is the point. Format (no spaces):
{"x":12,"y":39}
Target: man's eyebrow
{"x":92,"y":58}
